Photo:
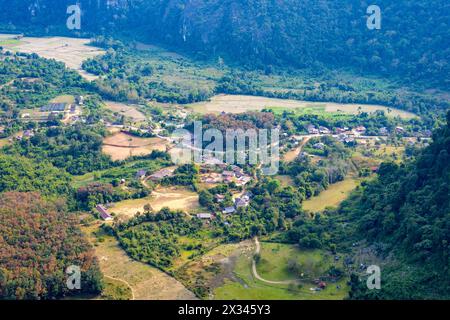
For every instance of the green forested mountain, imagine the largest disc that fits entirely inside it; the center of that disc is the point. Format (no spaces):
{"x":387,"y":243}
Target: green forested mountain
{"x":412,"y":42}
{"x":406,"y":213}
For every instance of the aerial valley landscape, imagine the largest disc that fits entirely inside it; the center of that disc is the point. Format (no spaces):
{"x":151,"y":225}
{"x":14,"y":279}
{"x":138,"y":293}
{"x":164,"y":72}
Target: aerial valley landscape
{"x":90,"y":177}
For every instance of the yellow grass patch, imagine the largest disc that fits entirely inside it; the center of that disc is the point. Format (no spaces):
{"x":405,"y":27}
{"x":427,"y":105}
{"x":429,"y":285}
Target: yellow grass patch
{"x":332,"y":197}
{"x":64,"y":99}
{"x":4,"y":142}
{"x":122,"y":145}
{"x":175,"y":198}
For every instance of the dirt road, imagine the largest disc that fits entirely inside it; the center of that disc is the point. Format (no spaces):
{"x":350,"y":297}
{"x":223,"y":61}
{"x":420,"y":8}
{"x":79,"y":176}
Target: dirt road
{"x":255,"y":272}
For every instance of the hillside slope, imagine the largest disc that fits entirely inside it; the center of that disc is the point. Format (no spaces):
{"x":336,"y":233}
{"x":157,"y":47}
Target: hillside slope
{"x":405,"y":213}
{"x":301,"y":33}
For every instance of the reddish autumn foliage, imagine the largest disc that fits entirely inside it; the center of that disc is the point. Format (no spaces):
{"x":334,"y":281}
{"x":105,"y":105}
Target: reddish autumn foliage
{"x":244,"y":121}
{"x":38,"y":241}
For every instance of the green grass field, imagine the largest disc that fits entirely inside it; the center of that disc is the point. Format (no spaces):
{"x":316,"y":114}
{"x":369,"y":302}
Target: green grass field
{"x":273,"y":266}
{"x":332,"y":197}
{"x":115,"y":290}
{"x":275,"y":257}
{"x":9,"y":42}
{"x":127,"y":171}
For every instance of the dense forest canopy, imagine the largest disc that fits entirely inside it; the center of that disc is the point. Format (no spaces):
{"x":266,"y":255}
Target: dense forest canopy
{"x":406,"y":211}
{"x":411,"y":44}
{"x":38,"y":241}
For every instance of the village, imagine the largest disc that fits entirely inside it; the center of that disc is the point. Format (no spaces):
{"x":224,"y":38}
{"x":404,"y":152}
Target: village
{"x":67,"y":112}
{"x":212,"y":173}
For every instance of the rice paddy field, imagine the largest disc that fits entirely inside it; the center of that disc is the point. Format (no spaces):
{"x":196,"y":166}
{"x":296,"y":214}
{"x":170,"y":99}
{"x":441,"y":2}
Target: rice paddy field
{"x":242,"y":103}
{"x":71,"y":51}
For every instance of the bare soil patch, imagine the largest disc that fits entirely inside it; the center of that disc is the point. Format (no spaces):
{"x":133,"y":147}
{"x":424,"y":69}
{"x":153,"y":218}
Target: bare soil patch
{"x":175,"y":198}
{"x":122,"y":145}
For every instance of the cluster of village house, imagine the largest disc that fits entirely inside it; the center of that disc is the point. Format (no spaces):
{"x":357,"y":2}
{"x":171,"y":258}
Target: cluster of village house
{"x":70,"y":112}
{"x":239,"y":202}
{"x":211,"y":173}
{"x":218,"y":173}
{"x":348,"y":135}
{"x":155,"y":128}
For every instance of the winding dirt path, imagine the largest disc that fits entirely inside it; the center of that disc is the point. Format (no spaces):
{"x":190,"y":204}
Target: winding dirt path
{"x":255,"y":272}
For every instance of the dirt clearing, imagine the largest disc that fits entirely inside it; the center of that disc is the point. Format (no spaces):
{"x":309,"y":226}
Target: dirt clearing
{"x":122,"y":145}
{"x":175,"y":198}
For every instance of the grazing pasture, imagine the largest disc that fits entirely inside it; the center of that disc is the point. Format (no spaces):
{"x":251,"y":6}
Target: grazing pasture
{"x":273,"y":266}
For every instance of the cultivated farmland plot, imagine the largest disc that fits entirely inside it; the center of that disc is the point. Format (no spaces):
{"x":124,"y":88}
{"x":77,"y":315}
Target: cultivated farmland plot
{"x":122,"y":145}
{"x":241,"y":103}
{"x":129,"y":111}
{"x":71,"y":51}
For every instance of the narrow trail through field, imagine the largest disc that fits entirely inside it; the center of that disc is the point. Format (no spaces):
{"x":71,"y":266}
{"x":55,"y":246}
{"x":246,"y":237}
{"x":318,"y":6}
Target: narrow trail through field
{"x":255,"y":272}
{"x":123,"y":281}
